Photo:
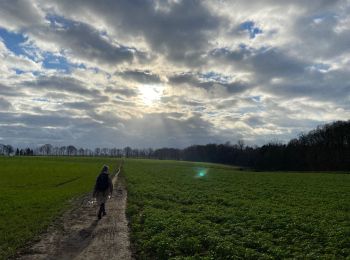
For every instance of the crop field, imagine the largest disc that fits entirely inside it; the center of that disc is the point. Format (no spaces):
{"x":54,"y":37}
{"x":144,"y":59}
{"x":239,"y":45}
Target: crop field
{"x":33,"y":191}
{"x":204,"y":211}
{"x":184,"y":210}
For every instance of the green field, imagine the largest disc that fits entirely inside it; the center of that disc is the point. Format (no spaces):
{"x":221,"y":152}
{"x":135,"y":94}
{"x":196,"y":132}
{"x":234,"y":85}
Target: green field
{"x":204,"y":211}
{"x":187,"y":210}
{"x":33,"y":191}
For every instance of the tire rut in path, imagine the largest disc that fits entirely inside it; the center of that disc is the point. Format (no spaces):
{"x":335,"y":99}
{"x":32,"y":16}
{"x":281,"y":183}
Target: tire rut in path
{"x":78,"y":234}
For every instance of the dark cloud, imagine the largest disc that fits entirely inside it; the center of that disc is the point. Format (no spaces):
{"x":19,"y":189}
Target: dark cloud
{"x":24,"y":136}
{"x":225,"y":54}
{"x":10,"y":91}
{"x":333,"y":86}
{"x":145,"y":77}
{"x":319,"y":32}
{"x":51,"y":120}
{"x":177,"y":29}
{"x":254,"y":121}
{"x":207,"y":83}
{"x":127,"y":92}
{"x":264,"y":62}
{"x":274,"y":63}
{"x":79,"y":105}
{"x":183,"y":78}
{"x":4,"y":104}
{"x":61,"y":84}
{"x":53,"y":128}
{"x":85,"y":42}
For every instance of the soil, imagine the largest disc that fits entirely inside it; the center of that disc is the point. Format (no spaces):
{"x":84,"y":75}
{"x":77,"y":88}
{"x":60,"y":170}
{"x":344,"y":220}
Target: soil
{"x":77,"y":234}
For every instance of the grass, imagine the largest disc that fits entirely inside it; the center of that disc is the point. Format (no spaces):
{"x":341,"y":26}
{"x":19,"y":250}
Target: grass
{"x":181,"y":210}
{"x":33,"y":191}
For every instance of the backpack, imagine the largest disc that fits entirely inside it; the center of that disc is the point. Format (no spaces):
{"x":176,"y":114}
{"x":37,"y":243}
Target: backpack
{"x":102,"y":182}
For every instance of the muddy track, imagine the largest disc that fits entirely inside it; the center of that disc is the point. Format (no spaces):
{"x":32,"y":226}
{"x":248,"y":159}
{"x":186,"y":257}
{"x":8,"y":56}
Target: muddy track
{"x":79,"y":235}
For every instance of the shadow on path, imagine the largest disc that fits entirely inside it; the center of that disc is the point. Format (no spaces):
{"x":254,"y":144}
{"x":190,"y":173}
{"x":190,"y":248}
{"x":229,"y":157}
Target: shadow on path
{"x":76,"y":243}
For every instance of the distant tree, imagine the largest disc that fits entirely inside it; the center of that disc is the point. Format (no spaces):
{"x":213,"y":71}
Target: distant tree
{"x":89,"y":152}
{"x":46,"y":149}
{"x":55,"y":151}
{"x":71,"y":150}
{"x":135,"y":153}
{"x":81,"y":152}
{"x":119,"y":152}
{"x":63,"y":150}
{"x":149,"y":153}
{"x":127,"y":152}
{"x":105,"y":152}
{"x":240,"y":144}
{"x":113,"y":152}
{"x":27,"y":151}
{"x":8,"y":149}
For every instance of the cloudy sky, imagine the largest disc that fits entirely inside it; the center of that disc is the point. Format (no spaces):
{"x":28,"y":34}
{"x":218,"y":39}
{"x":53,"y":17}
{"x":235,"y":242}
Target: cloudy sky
{"x":171,"y":73}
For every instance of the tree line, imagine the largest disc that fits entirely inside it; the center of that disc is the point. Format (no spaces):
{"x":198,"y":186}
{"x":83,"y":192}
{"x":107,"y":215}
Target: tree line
{"x":325,"y":148}
{"x":71,"y":150}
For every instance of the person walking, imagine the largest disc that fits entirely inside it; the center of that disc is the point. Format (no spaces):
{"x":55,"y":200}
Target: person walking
{"x":103,"y":188}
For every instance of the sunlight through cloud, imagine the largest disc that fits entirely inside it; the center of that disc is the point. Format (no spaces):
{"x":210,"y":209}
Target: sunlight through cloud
{"x":151,"y":93}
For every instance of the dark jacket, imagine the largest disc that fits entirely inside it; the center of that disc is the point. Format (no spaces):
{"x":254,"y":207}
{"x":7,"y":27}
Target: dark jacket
{"x":109,"y":190}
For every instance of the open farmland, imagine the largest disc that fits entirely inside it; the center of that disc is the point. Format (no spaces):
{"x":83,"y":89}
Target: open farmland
{"x":33,"y":191}
{"x":180,"y":209}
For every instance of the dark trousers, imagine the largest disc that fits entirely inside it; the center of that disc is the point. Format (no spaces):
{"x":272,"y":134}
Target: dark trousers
{"x":102,"y":210}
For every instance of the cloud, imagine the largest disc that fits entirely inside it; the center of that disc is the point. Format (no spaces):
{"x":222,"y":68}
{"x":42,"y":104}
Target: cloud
{"x":73,"y":71}
{"x":178,"y":30}
{"x":19,"y":14}
{"x":11,"y":61}
{"x":7,"y":91}
{"x":61,"y":84}
{"x":212,"y":86}
{"x":5,"y":105}
{"x":128,"y":92}
{"x":164,"y":129}
{"x":326,"y":34}
{"x":149,"y":131}
{"x":79,"y":105}
{"x":83,"y":42}
{"x":264,"y":62}
{"x":333,"y":86}
{"x":145,"y":77}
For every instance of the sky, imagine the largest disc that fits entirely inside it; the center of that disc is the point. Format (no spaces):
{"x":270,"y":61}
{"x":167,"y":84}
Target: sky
{"x":171,"y":73}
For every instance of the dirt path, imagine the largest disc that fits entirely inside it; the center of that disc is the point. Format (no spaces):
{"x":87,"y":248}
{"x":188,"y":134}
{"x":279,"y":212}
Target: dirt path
{"x":78,"y":234}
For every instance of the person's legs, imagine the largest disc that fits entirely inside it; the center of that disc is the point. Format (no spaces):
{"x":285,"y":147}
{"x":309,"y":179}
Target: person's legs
{"x":101,"y":210}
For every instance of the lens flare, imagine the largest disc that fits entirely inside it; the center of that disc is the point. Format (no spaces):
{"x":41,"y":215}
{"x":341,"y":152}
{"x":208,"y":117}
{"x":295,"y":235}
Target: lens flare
{"x":201,"y":172}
